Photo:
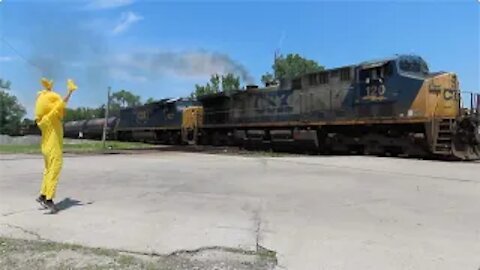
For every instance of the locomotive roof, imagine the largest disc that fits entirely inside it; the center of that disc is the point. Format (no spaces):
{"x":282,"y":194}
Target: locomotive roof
{"x":379,"y":62}
{"x":376,"y":63}
{"x":365,"y":64}
{"x":162,"y":102}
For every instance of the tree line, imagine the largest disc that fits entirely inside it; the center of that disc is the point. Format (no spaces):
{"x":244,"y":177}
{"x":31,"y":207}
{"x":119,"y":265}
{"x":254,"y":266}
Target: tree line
{"x":12,"y":113}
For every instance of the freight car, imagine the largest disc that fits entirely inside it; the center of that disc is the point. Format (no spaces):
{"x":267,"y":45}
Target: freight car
{"x":391,"y":106}
{"x":30,"y":129}
{"x":74,"y":129}
{"x":90,"y":129}
{"x":93,"y":128}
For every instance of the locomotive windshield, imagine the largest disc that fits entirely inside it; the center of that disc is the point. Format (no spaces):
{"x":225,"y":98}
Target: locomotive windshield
{"x":415,"y":65}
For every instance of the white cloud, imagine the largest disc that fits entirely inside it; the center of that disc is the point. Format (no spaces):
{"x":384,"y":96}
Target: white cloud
{"x":127,"y":19}
{"x":108,"y":4}
{"x":6,"y":59}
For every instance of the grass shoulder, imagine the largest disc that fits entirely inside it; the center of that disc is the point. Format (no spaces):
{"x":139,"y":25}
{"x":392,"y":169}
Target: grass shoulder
{"x":18,"y":254}
{"x":74,"y":146}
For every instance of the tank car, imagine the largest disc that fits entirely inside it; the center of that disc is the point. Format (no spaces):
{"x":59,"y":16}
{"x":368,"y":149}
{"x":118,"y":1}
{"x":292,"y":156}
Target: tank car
{"x":390,"y":106}
{"x":90,"y":129}
{"x":30,"y":129}
{"x":93,"y":128}
{"x":74,"y":129}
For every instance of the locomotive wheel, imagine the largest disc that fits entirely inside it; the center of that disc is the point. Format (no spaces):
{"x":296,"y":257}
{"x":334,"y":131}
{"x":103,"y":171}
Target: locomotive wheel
{"x":204,"y":138}
{"x":171,"y":138}
{"x":216,"y":139}
{"x":465,"y":151}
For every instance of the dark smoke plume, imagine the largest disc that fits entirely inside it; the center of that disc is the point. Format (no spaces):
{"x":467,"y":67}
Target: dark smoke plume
{"x":184,"y":64}
{"x":58,"y":45}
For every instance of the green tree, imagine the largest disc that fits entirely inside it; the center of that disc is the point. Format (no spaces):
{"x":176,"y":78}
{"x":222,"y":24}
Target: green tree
{"x":291,"y":66}
{"x":118,"y":100}
{"x":201,"y":90}
{"x":83,"y":113}
{"x":4,"y":84}
{"x":217,"y":83}
{"x":230,"y":83}
{"x":267,"y":78}
{"x":11,"y":113}
{"x":150,"y":100}
{"x":122,"y":99}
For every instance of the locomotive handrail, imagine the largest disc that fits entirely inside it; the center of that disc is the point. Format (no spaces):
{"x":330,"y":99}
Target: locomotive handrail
{"x":469,"y":102}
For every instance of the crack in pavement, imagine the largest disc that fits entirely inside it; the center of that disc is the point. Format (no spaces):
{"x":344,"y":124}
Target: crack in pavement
{"x":36,"y":235}
{"x":257,"y":219}
{"x":11,"y":213}
{"x":260,"y":248}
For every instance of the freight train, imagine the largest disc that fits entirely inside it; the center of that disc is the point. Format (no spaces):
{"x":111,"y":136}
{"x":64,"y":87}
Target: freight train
{"x":393,"y":106}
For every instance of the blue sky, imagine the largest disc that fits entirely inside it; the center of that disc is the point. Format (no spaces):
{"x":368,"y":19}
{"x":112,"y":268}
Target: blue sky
{"x":162,"y":48}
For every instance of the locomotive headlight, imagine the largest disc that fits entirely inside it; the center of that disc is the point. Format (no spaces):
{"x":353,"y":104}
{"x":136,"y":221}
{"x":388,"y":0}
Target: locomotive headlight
{"x":412,"y":113}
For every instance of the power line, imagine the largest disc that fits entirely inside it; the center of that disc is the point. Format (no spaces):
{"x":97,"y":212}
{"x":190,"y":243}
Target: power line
{"x":2,"y":38}
{"x":19,"y":54}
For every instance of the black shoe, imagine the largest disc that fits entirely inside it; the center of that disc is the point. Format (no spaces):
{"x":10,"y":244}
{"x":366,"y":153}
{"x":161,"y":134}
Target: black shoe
{"x":51,"y":206}
{"x":41,"y":200}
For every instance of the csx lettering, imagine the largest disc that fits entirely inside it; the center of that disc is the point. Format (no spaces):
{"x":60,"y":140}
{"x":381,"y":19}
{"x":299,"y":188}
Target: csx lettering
{"x":273,"y":101}
{"x":449,"y":94}
{"x":141,"y":115}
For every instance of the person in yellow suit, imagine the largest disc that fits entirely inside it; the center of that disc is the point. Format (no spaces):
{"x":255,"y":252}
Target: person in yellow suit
{"x":49,"y":113}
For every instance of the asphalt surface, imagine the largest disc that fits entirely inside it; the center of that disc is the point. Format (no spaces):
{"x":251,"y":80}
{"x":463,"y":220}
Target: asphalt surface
{"x":316,"y":212}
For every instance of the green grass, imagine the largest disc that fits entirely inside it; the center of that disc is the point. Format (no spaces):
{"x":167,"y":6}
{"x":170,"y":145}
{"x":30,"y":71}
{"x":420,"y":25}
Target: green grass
{"x":78,"y":147}
{"x":17,"y":254}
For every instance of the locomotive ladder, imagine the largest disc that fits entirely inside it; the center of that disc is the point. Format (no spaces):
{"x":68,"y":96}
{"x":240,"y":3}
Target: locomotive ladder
{"x":443,"y":141}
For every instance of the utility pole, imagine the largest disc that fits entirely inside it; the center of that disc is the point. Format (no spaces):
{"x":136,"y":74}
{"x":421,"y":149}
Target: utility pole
{"x":105,"y":124}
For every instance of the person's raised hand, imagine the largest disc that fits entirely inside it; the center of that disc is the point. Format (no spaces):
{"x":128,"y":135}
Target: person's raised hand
{"x":71,"y":86}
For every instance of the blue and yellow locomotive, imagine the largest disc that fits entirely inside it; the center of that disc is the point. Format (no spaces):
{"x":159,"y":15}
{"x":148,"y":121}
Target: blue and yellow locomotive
{"x":390,"y":106}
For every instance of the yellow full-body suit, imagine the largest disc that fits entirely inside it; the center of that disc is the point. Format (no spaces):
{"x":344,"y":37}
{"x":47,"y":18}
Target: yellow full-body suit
{"x":49,"y":112}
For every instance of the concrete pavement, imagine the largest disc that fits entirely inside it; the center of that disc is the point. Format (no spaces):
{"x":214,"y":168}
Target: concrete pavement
{"x":316,"y":212}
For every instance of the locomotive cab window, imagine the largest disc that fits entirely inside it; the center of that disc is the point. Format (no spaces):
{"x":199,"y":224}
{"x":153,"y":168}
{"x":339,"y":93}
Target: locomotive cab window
{"x":372,"y":81}
{"x":375,"y":73}
{"x":413,"y":65}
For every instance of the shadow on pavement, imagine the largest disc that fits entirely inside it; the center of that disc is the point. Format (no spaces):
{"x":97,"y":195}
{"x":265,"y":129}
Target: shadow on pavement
{"x":68,"y":203}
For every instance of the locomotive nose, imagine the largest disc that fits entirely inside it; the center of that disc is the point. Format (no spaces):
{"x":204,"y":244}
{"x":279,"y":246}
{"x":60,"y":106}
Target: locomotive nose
{"x":467,"y":137}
